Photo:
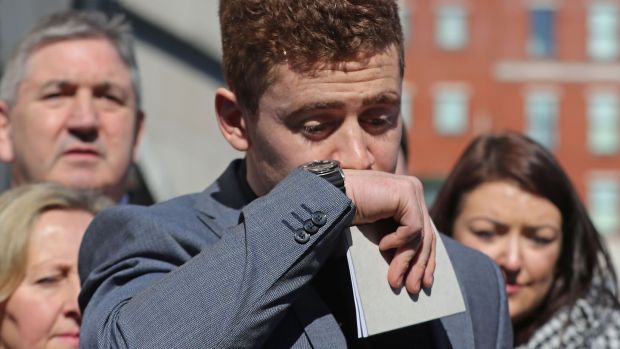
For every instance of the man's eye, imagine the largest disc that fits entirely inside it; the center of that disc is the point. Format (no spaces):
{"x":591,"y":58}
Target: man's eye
{"x":316,"y":131}
{"x":52,"y":95}
{"x":313,"y":129}
{"x":111,"y":98}
{"x":378,"y":121}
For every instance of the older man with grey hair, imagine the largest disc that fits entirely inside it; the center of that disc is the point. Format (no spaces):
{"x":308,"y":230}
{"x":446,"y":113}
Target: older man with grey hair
{"x":70,"y":104}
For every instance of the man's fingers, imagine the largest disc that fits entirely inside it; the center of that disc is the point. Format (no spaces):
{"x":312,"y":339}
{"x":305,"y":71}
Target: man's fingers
{"x":422,"y":261}
{"x":403,"y":236}
{"x":405,"y":268}
{"x":413,"y":265}
{"x":399,"y":266}
{"x":432,"y":263}
{"x":413,"y":281}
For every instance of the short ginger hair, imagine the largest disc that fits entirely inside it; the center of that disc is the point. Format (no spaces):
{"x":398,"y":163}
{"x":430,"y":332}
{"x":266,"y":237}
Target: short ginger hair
{"x":306,"y":35}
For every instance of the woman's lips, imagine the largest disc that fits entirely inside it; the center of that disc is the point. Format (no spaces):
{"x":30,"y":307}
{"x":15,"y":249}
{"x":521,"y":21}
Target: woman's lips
{"x":512,"y":288}
{"x":71,"y":338}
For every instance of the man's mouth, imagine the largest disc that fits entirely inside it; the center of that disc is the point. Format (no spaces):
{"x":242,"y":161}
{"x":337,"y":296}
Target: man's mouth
{"x":84,"y":153}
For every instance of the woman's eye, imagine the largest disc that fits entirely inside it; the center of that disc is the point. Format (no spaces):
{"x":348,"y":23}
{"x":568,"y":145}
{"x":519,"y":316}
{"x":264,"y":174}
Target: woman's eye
{"x":48,"y":280}
{"x":541,"y":241}
{"x":485,"y":234}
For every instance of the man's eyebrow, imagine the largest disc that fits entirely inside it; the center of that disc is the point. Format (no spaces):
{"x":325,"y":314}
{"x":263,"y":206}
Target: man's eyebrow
{"x":313,"y":107}
{"x":382,"y":98}
{"x":55,"y":83}
{"x":103,"y":84}
{"x":109,"y":85}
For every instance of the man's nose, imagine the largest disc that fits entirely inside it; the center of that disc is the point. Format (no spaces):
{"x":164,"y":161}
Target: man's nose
{"x":352,"y":148}
{"x":83,"y":120}
{"x":84,"y":113}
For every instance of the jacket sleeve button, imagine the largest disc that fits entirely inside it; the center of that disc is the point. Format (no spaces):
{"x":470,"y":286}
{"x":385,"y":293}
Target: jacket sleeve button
{"x":310,"y":227}
{"x":319,"y":218}
{"x":301,"y":236}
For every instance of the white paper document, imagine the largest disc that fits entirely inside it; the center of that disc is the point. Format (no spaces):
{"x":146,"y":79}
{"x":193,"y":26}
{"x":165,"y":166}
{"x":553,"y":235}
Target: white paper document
{"x":379,"y":308}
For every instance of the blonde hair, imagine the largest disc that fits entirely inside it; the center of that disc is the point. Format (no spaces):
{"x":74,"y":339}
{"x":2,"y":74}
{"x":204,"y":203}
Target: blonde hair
{"x":20,"y":208}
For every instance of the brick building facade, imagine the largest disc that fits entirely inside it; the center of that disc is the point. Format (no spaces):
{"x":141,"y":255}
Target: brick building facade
{"x":548,"y":68}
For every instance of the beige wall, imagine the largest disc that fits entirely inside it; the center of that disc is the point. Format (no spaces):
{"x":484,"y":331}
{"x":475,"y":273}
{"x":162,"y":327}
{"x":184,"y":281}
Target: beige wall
{"x":183,"y":150}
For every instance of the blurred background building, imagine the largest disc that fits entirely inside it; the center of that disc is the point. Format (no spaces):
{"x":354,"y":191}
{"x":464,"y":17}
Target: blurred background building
{"x":549,"y":68}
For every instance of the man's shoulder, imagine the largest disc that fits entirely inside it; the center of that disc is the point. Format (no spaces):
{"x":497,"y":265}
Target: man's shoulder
{"x":175,"y":207}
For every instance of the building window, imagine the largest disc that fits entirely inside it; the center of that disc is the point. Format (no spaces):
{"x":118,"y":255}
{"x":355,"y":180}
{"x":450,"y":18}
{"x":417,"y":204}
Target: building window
{"x":542,"y":110}
{"x":451,"y":28}
{"x":451,"y":111}
{"x":541,"y":43}
{"x":432,"y":186}
{"x":603,"y":31}
{"x":603,"y":194}
{"x":603,"y":123}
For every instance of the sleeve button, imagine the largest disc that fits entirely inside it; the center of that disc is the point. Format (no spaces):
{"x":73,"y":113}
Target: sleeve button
{"x":319,"y":218}
{"x":301,"y":236}
{"x":310,"y":227}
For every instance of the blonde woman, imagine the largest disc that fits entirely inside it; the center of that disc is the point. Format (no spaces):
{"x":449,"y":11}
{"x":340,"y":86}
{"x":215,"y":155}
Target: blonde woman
{"x":41,"y":227}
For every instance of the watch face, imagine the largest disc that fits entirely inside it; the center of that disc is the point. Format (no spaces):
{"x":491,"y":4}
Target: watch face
{"x":321,"y":166}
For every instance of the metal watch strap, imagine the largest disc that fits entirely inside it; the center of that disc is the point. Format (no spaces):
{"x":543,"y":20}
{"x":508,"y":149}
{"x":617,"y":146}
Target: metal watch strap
{"x":329,"y":170}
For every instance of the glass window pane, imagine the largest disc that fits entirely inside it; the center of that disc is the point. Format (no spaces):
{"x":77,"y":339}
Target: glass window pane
{"x":542,"y":26}
{"x":603,"y":31}
{"x":451,"y":112}
{"x":431,"y":189}
{"x":542,"y":109}
{"x":603,"y":197}
{"x":451,"y":29}
{"x":603,"y":124}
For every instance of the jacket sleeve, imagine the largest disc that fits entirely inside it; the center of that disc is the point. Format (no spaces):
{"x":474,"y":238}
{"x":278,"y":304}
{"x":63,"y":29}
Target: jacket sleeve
{"x":151,"y":279}
{"x":504,"y":325}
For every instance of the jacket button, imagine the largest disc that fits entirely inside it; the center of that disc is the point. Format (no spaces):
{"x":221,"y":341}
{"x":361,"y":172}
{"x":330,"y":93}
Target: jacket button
{"x":310,"y":227}
{"x":301,"y":236}
{"x":319,"y":218}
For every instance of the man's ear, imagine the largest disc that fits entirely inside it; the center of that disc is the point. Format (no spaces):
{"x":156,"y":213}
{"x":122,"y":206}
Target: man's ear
{"x":6,"y":143}
{"x":231,"y":120}
{"x":139,"y":132}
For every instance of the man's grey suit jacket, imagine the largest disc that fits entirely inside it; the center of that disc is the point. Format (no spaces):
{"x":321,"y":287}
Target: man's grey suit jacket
{"x":212,"y":270}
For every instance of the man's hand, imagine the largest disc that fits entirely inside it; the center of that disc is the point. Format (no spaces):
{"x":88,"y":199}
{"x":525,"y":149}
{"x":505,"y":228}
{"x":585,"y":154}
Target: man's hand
{"x":380,"y":195}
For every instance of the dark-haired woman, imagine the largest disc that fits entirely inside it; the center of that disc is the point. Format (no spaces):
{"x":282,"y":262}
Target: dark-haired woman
{"x":508,"y":197}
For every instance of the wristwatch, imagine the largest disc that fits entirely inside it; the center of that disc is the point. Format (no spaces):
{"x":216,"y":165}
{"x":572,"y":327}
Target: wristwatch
{"x":329,"y":170}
